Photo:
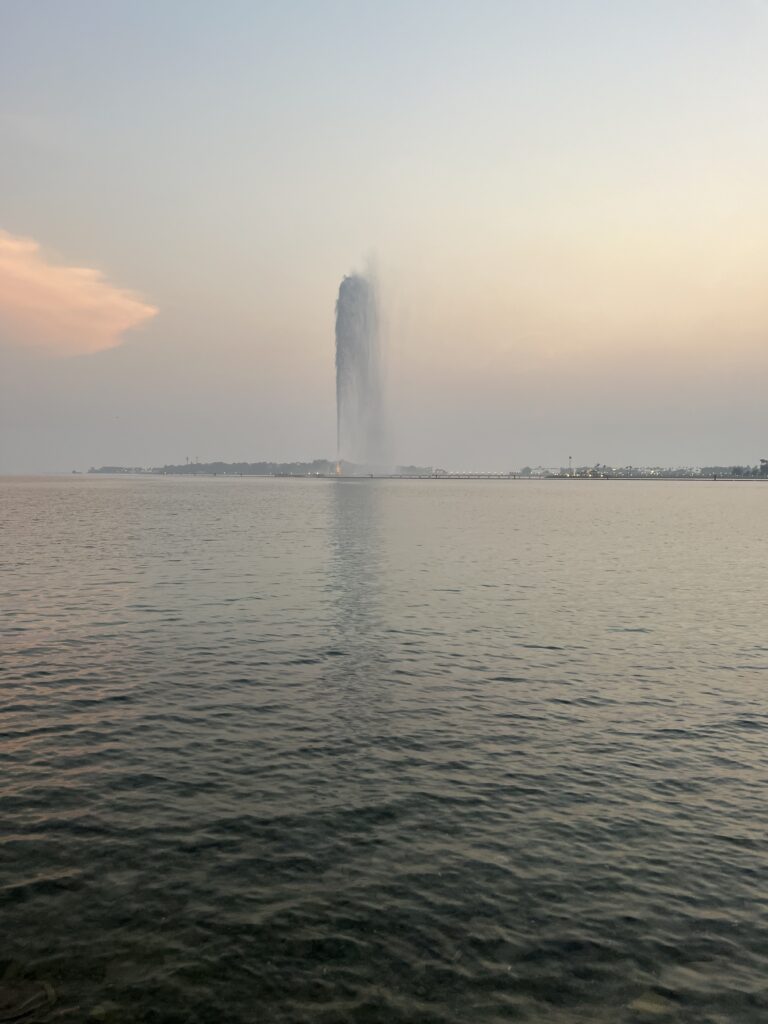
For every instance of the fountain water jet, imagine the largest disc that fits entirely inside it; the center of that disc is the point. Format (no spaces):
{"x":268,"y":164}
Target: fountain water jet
{"x":359,"y":401}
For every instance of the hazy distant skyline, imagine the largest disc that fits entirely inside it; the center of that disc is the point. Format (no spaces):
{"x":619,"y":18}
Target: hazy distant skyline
{"x":565,"y":204}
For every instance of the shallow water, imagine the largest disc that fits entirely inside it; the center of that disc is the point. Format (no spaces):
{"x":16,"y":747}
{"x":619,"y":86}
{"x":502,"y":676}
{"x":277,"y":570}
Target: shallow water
{"x":425,"y":751}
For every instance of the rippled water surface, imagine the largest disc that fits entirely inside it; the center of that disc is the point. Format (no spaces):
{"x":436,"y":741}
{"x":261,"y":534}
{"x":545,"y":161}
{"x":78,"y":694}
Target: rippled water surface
{"x":381,"y":751}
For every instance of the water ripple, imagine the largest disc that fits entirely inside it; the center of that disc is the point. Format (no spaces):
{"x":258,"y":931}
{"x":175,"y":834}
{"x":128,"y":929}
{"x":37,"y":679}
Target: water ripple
{"x":301,"y":752}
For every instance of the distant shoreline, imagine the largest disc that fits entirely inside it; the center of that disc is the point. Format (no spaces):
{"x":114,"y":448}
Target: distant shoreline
{"x":437,"y":478}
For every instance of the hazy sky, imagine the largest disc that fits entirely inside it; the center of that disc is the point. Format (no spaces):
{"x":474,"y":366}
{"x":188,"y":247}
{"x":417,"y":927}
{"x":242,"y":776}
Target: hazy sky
{"x":565,"y":203}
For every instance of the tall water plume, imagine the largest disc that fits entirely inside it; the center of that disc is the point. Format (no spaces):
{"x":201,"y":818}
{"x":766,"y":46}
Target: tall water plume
{"x":359,"y":404}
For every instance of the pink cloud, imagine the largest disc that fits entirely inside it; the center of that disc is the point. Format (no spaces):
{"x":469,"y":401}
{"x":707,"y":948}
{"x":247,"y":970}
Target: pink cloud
{"x":67,"y":310}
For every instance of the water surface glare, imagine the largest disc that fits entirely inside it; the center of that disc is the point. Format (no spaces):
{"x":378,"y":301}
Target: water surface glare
{"x":379,"y":751}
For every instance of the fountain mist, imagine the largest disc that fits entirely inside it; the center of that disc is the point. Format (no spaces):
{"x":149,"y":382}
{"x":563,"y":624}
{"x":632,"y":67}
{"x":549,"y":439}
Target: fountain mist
{"x":359,"y":404}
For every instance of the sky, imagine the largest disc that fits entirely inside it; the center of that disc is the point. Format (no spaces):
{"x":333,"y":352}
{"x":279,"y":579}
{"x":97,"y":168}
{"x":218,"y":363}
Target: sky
{"x":564,"y":202}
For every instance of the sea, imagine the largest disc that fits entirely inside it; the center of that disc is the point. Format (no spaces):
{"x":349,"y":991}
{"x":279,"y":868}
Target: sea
{"x":337,"y":750}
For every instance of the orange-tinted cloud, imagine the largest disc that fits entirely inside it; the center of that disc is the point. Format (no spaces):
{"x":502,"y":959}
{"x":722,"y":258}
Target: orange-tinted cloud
{"x":67,"y":310}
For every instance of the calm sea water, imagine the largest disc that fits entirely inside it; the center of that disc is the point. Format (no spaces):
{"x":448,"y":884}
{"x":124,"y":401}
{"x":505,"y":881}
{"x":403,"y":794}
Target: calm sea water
{"x":381,"y":751}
